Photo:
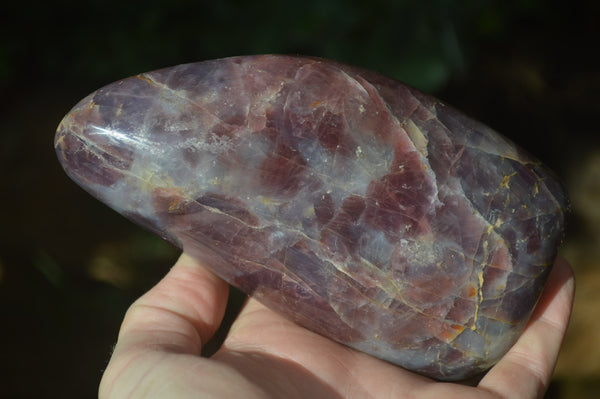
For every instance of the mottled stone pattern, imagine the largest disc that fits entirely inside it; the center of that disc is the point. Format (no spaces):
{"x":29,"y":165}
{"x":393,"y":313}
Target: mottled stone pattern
{"x":357,"y":206}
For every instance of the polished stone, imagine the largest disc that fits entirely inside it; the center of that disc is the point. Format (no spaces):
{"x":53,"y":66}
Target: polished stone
{"x":354,"y":205}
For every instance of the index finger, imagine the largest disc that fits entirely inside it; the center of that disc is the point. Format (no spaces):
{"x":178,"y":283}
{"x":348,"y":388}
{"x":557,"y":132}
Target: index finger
{"x":180,"y":313}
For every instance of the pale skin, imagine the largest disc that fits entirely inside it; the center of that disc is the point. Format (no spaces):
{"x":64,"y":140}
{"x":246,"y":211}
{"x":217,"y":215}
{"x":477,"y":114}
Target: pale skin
{"x":266,"y":356}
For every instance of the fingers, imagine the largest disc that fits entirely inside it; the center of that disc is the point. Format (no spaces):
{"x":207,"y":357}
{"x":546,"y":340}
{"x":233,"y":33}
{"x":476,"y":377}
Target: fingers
{"x":526,"y":370}
{"x":177,"y":316}
{"x":180,"y":313}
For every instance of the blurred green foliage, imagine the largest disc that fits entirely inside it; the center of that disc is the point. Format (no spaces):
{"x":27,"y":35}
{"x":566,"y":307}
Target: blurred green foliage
{"x":421,"y":42}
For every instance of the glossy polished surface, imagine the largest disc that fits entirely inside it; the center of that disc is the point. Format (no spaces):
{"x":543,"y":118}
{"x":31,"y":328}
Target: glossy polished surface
{"x":358,"y":207}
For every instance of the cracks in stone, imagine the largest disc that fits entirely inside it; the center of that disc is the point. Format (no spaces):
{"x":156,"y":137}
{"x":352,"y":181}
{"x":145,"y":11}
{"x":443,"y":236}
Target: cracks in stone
{"x":162,"y":87}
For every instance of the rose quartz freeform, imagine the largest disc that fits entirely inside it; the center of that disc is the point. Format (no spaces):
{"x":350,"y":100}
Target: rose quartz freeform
{"x":352,"y":204}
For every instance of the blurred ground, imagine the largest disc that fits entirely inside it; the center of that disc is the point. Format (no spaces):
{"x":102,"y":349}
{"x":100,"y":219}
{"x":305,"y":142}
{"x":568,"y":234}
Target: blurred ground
{"x":69,"y":266}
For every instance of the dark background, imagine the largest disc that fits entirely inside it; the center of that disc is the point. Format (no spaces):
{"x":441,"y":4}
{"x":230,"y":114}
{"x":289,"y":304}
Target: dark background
{"x":69,"y":267}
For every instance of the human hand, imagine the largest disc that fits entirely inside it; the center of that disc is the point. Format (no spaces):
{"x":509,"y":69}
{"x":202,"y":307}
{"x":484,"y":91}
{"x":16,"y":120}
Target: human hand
{"x":266,"y":356}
